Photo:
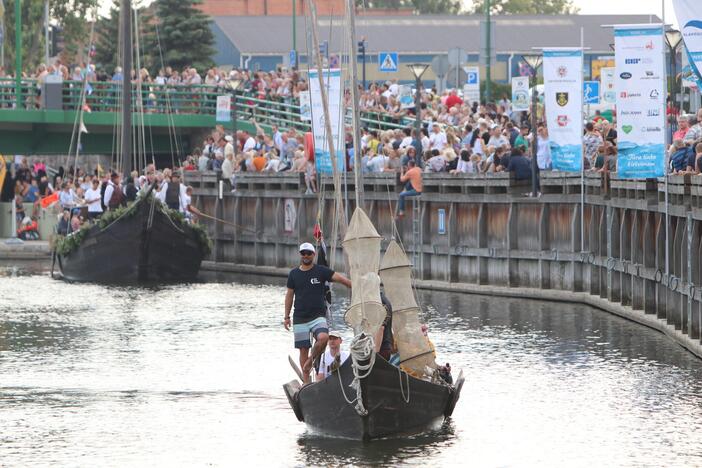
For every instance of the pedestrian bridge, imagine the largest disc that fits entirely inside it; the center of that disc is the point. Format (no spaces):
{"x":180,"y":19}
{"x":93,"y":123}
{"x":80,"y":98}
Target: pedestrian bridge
{"x":41,"y":119}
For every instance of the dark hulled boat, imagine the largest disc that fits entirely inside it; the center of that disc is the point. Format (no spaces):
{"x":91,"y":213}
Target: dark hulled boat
{"x":141,"y":246}
{"x":396,"y":403}
{"x":146,"y":243}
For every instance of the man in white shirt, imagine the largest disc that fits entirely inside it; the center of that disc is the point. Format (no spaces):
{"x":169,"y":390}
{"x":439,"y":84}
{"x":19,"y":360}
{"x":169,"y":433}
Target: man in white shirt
{"x":249,"y":142}
{"x":437,"y":139}
{"x":497,"y":139}
{"x":92,"y":198}
{"x":333,"y":357}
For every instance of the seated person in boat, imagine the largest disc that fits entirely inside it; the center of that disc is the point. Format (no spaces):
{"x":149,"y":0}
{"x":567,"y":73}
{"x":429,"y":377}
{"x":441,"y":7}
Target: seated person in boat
{"x":114,"y":197}
{"x":333,"y":357}
{"x":64,"y":225}
{"x":383,"y":337}
{"x":306,"y":287}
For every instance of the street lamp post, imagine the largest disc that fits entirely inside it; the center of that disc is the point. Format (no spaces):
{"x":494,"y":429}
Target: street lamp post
{"x":673,"y":38}
{"x":418,"y":70}
{"x":534,"y":62}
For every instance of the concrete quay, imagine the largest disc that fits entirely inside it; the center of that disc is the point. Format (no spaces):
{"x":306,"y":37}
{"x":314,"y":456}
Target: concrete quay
{"x":481,"y":234}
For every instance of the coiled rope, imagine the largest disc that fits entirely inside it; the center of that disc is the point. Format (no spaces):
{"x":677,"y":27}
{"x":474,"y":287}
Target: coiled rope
{"x":362,"y":349}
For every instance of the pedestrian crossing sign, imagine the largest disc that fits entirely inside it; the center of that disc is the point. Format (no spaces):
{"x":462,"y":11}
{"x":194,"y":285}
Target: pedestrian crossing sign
{"x":387,"y":61}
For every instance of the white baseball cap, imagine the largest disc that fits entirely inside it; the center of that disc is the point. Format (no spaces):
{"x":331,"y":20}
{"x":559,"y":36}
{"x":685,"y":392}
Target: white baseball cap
{"x":307,"y":246}
{"x":229,"y":138}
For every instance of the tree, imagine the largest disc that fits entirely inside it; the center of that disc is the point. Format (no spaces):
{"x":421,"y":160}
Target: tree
{"x":446,"y":7}
{"x":108,"y":34}
{"x":69,"y":15}
{"x":184,"y":34}
{"x":32,"y":35}
{"x":526,"y":7}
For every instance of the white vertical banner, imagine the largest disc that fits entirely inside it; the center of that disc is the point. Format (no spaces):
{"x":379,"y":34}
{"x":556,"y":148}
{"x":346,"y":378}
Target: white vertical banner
{"x":689,"y":16}
{"x":563,"y":100}
{"x":224,"y":109}
{"x":641,"y":93}
{"x":305,"y":107}
{"x":332,"y":80}
{"x":520,"y":93}
{"x":609,"y":93}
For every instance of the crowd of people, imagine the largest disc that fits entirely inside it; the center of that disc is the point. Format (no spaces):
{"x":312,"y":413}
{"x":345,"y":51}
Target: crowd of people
{"x":81,"y":197}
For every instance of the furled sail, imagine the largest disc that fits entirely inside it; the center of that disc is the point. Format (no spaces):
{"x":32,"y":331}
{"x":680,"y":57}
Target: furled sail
{"x":416,"y":352}
{"x":362,"y":247}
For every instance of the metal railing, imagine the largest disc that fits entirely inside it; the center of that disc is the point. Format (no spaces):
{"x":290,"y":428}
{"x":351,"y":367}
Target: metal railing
{"x":105,"y":96}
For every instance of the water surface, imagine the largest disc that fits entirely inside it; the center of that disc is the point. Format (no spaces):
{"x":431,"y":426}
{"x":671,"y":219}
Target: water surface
{"x":191,"y":376}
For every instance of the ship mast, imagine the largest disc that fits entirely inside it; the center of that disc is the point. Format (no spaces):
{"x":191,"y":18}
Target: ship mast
{"x":126,"y":141}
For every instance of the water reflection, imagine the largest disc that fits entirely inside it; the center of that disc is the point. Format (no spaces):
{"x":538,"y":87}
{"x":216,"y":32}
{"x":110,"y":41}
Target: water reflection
{"x":191,"y":375}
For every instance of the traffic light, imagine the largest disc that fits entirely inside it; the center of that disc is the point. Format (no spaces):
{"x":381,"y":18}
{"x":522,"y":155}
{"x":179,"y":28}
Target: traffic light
{"x":324,"y":49}
{"x":361,"y":47}
{"x":58,"y":42}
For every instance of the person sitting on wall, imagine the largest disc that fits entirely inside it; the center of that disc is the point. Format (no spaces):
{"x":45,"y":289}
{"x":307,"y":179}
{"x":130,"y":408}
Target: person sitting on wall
{"x":413,"y":185}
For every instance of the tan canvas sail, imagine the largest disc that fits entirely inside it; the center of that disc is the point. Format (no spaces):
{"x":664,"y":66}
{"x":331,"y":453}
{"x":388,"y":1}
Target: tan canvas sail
{"x":416,"y":353}
{"x":362,"y":247}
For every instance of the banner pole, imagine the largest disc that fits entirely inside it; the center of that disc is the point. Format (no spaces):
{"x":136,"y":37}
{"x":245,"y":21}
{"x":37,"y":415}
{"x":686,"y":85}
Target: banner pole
{"x":582,"y":159}
{"x":666,"y":155}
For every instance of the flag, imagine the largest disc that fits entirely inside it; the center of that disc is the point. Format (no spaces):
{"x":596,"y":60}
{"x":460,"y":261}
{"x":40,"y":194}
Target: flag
{"x":49,"y":200}
{"x":3,"y":164}
{"x":689,"y":15}
{"x":82,"y":128}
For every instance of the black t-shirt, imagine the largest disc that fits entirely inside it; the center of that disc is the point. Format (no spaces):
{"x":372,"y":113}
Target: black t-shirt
{"x":309,"y":292}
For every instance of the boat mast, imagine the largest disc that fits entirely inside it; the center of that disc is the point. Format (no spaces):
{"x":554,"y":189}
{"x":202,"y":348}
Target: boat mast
{"x":126,"y":141}
{"x":338,"y":208}
{"x":355,"y":115}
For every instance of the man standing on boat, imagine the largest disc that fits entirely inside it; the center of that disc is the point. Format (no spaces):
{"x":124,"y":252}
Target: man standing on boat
{"x":306,"y":287}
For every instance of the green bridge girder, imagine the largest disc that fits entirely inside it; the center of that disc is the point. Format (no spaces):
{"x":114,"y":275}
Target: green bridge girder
{"x":49,"y":132}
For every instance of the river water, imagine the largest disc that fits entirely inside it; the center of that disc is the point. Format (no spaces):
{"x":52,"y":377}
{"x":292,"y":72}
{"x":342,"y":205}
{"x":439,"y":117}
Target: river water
{"x":191,"y":376}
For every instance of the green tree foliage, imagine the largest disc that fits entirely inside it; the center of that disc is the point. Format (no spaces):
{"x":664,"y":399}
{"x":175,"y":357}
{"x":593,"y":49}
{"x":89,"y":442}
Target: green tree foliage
{"x":526,"y":7}
{"x":32,"y":35}
{"x":438,"y":7}
{"x":184,"y":34}
{"x":70,"y":15}
{"x":108,"y":34}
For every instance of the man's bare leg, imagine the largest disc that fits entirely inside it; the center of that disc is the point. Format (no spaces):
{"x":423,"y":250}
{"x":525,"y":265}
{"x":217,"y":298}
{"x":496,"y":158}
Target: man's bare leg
{"x":304,"y":352}
{"x":317,"y":349}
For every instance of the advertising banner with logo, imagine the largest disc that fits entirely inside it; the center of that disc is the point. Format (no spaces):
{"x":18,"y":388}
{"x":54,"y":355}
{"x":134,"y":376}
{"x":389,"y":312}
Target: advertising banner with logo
{"x":332,"y":79}
{"x":305,"y":107}
{"x":224,"y":109}
{"x":640,"y":84}
{"x":520,"y":93}
{"x":609,"y":93}
{"x":689,"y":15}
{"x":563,"y":100}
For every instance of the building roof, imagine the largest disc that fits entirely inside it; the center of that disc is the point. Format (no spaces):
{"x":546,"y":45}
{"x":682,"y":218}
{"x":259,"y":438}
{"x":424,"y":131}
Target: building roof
{"x":272,"y":35}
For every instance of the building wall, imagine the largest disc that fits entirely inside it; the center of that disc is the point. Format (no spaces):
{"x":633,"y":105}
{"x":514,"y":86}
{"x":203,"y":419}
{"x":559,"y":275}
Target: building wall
{"x":267,"y":7}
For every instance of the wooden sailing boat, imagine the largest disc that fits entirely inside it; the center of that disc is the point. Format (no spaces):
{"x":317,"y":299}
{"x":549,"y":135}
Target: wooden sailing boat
{"x":367,"y":397}
{"x":146,"y":242}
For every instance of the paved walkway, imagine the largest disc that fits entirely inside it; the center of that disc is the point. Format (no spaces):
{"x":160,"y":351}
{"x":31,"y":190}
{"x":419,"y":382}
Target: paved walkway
{"x":25,"y":250}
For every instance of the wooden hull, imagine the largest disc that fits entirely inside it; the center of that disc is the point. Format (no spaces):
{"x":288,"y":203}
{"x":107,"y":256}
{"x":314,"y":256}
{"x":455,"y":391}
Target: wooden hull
{"x":397,"y":404}
{"x":132,"y":251}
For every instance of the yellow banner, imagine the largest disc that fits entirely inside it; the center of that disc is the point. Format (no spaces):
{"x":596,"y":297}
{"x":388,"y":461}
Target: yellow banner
{"x":3,"y":164}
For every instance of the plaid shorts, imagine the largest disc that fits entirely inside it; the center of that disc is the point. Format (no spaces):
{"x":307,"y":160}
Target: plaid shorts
{"x":302,"y":331}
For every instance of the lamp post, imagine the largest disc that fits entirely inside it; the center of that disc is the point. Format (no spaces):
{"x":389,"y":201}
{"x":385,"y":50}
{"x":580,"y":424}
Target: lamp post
{"x":234,"y":85}
{"x":534,"y":62}
{"x":673,"y":38}
{"x":294,"y":31}
{"x":418,"y":70}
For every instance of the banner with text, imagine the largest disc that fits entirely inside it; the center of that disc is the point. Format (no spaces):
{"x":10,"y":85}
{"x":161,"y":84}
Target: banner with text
{"x":641,"y":93}
{"x":563,"y":100}
{"x":520,"y":93}
{"x":689,"y":16}
{"x":332,"y":81}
